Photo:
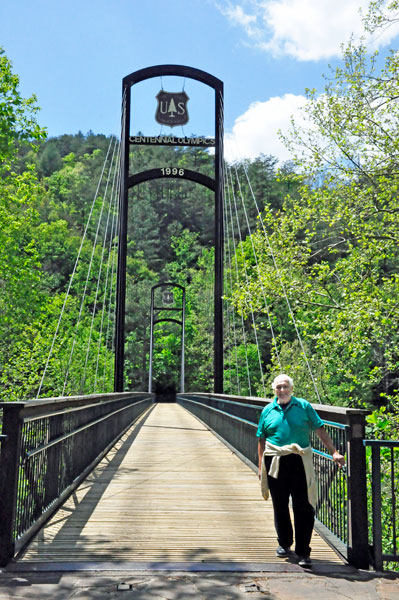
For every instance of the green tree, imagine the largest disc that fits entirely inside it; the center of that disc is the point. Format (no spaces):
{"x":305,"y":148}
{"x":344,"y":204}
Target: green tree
{"x":18,"y":124}
{"x":21,"y":294}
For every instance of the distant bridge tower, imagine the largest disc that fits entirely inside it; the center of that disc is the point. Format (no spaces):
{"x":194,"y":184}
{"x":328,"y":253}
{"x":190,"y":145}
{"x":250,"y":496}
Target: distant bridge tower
{"x":172,"y":110}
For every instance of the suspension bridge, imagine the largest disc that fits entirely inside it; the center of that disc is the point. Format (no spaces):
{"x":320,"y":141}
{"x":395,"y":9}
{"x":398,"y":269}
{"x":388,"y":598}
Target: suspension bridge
{"x":98,"y":475}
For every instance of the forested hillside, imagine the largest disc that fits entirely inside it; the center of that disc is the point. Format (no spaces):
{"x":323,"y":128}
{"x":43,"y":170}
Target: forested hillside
{"x":326,"y":263}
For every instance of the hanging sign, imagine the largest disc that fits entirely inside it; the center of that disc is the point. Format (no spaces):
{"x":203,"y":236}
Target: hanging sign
{"x":168,"y":297}
{"x":172,"y":108}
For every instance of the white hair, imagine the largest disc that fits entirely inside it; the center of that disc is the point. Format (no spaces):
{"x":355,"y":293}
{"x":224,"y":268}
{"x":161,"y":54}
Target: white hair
{"x":281,"y":376}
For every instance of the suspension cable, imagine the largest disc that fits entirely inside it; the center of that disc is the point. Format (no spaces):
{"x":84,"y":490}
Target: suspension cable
{"x":114,"y":196}
{"x":112,"y":299}
{"x":73,"y":273}
{"x":100,"y":268}
{"x":237,"y":279}
{"x":247,"y":282}
{"x":113,"y":287}
{"x":258,"y":268}
{"x":228,"y":254}
{"x":283,"y":289}
{"x":94,"y":244}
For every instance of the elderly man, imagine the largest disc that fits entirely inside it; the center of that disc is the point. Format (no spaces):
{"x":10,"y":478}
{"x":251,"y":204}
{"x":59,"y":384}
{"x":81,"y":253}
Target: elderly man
{"x":285,"y":466}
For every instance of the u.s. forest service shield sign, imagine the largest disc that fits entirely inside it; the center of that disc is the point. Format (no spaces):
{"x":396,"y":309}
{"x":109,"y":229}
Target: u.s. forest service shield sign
{"x":172,"y":108}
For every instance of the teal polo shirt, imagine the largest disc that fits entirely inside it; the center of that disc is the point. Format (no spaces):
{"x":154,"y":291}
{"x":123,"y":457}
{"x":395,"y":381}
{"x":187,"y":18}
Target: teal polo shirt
{"x":292,"y":425}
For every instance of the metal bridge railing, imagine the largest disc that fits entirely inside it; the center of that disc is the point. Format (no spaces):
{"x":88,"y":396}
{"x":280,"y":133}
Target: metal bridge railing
{"x":48,"y":447}
{"x":383,"y":506}
{"x":332,"y":483}
{"x":342,"y":502}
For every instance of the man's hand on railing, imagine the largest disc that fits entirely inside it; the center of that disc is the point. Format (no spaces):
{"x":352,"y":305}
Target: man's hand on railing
{"x":329,"y":444}
{"x":338,"y":458}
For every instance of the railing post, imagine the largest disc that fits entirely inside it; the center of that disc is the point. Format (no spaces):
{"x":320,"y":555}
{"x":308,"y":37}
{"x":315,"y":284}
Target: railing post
{"x":9,"y":471}
{"x":377,"y":528}
{"x":358,"y":550}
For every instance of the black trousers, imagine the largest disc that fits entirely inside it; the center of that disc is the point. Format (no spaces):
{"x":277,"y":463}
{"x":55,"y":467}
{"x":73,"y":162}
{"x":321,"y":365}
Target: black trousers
{"x":291,"y":481}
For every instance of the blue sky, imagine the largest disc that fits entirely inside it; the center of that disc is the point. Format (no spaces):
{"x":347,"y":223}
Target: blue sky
{"x":73,"y":56}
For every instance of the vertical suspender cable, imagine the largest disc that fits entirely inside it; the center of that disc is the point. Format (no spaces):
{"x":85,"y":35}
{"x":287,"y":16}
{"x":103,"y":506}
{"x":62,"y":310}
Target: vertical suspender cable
{"x":111,"y":302}
{"x":237,"y":278}
{"x":114,"y":197}
{"x":114,"y":281}
{"x":228,"y":305}
{"x":100,"y":268}
{"x":73,"y":274}
{"x":258,"y":269}
{"x":247,"y":282}
{"x":283,"y":289}
{"x":227,"y":328}
{"x":82,"y":304}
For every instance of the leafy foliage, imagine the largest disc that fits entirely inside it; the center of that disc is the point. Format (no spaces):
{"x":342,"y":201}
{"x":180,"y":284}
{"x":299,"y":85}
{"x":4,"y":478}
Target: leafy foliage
{"x":18,"y":125}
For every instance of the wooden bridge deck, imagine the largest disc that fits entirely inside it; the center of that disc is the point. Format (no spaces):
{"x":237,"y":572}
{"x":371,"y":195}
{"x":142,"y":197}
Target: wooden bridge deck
{"x":168,"y":491}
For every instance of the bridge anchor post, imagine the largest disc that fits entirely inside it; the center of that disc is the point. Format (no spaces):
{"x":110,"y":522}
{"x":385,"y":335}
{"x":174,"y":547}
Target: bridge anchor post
{"x":9,"y":469}
{"x":358,"y":548}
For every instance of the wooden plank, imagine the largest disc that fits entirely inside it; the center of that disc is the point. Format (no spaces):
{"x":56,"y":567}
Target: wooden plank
{"x":168,"y":491}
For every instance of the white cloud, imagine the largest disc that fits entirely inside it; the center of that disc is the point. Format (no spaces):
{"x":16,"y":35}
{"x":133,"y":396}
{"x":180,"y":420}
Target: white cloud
{"x":310,"y":29}
{"x":303,"y":29}
{"x":237,"y":16}
{"x":256,"y":131}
